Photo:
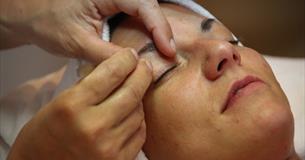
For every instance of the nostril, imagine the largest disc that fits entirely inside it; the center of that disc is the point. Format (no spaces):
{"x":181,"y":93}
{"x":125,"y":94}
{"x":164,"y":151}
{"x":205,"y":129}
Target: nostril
{"x":221,"y":64}
{"x":235,"y":57}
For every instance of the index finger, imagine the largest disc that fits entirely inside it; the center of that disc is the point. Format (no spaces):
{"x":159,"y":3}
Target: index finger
{"x":157,"y":24}
{"x":107,"y":76}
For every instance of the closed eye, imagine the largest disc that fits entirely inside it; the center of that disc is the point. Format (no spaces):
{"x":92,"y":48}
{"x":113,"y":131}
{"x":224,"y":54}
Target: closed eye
{"x":234,"y":42}
{"x":206,"y":24}
{"x":164,"y":74}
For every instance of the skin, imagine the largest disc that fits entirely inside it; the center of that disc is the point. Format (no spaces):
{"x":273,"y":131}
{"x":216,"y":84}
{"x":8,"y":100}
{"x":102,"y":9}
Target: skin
{"x":100,"y":117}
{"x":183,"y":110}
{"x":73,"y":28}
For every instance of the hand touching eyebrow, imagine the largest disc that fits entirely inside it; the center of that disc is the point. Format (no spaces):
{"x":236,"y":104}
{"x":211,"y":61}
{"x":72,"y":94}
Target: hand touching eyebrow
{"x":72,"y":28}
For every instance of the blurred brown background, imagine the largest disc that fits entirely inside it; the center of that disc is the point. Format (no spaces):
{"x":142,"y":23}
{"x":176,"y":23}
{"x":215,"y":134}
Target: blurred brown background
{"x":274,"y":27}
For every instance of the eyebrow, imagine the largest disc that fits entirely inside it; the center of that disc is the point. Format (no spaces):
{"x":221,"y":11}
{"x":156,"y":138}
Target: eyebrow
{"x":148,"y":47}
{"x":206,"y":24}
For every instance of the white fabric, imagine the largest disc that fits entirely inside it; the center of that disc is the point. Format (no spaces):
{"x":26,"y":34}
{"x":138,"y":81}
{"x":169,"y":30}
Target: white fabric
{"x":290,"y":72}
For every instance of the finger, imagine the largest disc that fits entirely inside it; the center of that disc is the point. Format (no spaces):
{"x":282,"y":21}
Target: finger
{"x":129,"y":125}
{"x":121,"y":103}
{"x":149,"y":11}
{"x":158,"y":25}
{"x":135,"y":143}
{"x":95,"y":50}
{"x":106,"y":77}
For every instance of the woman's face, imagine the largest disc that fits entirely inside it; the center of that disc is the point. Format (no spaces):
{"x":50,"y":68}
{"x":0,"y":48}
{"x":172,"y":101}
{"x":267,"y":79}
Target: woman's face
{"x":215,"y":100}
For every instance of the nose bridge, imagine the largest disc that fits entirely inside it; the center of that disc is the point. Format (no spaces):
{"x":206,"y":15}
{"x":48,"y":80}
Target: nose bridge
{"x":220,"y":56}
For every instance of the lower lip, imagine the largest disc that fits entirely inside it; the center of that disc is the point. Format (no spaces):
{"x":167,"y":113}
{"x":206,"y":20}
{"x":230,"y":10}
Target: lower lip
{"x":246,"y":91}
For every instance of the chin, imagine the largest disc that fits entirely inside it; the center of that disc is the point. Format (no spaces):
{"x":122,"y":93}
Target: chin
{"x":274,"y":124}
{"x":269,"y":125}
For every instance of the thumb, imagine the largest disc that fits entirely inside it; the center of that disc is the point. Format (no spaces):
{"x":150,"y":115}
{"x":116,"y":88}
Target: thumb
{"x":96,"y":50}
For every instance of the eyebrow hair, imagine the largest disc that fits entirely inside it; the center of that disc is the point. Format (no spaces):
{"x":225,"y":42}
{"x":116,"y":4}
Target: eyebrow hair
{"x":206,"y":24}
{"x":148,"y":47}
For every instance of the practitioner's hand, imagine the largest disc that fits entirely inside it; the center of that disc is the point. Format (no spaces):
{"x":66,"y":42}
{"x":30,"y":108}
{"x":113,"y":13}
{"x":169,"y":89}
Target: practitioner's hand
{"x":100,"y":118}
{"x":73,"y":28}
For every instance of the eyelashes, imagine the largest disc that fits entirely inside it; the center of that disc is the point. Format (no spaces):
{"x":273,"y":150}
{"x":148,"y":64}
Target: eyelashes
{"x":151,"y":47}
{"x":165,"y":73}
{"x":234,"y":42}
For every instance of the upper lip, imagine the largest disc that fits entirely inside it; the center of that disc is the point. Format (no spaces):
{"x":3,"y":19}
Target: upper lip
{"x":236,"y":86}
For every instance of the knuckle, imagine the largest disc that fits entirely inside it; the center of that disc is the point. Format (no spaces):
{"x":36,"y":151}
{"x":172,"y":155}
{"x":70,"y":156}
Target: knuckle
{"x":86,"y":132}
{"x":102,"y":128}
{"x":64,"y":107}
{"x":90,"y":132}
{"x":137,"y":121}
{"x":120,"y":65}
{"x":140,"y":115}
{"x":92,"y":89}
{"x":143,"y":131}
{"x":125,"y":101}
{"x":109,"y":151}
{"x":88,"y":135}
{"x":61,"y":113}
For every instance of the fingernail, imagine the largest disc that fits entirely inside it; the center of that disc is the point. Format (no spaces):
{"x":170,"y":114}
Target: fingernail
{"x":149,"y":65}
{"x":133,"y":51}
{"x":173,"y":44}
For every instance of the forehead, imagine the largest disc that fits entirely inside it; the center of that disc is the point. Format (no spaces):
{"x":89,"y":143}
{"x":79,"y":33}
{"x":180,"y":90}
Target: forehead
{"x":132,"y":33}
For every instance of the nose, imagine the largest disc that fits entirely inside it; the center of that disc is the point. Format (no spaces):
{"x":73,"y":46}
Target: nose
{"x":221,"y":56}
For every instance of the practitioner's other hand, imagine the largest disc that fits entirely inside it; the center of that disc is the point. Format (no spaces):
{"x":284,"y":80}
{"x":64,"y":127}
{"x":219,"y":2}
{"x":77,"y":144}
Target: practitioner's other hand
{"x":99,"y":118}
{"x":73,"y":28}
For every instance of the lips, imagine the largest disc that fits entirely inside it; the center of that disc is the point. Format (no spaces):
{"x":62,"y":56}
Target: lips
{"x":245,"y":85}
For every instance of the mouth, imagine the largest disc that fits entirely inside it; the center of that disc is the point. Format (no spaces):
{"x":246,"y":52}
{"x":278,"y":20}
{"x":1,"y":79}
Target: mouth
{"x":240,"y":89}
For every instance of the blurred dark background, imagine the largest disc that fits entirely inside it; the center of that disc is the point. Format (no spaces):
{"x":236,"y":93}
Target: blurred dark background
{"x":274,"y":27}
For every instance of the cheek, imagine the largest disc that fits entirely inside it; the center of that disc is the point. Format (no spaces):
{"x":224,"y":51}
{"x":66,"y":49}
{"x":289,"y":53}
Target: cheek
{"x":175,"y":100}
{"x":252,"y":60}
{"x":256,"y":63}
{"x":268,"y":115}
{"x":173,"y":113}
{"x":264,"y":123}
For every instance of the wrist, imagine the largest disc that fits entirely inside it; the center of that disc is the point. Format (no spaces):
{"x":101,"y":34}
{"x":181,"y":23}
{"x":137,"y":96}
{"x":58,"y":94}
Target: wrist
{"x":8,"y":37}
